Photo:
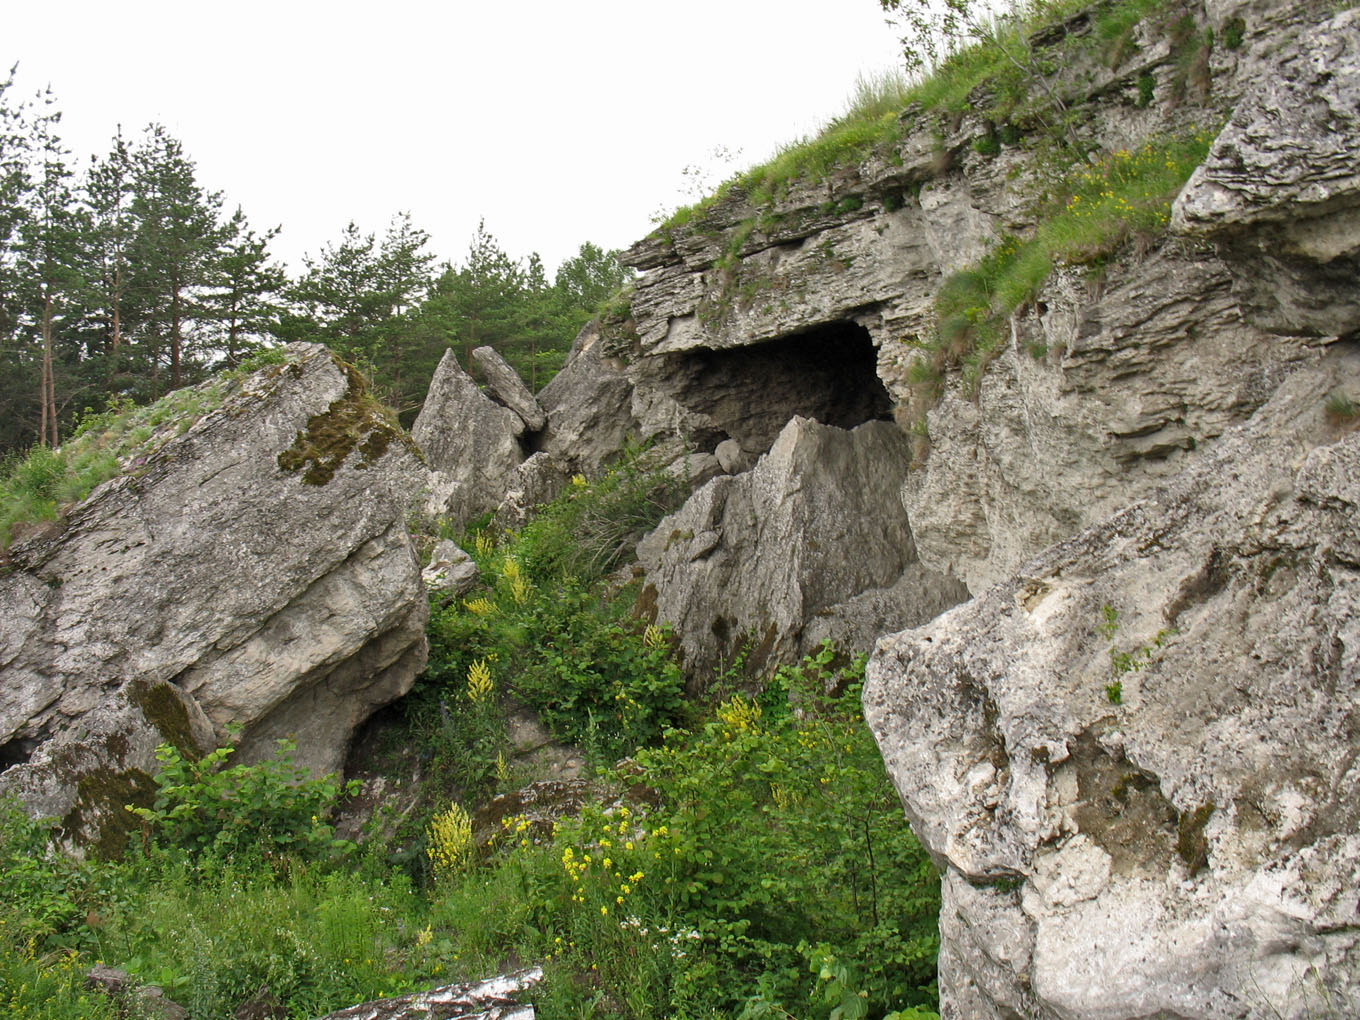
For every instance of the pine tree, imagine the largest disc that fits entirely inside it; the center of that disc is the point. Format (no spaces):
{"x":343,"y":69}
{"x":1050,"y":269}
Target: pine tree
{"x":50,"y":258}
{"x":177,"y":236}
{"x":109,"y":198}
{"x":243,"y":290}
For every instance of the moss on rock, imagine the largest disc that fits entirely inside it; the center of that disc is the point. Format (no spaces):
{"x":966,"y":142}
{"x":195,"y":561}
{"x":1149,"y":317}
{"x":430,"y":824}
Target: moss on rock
{"x":356,"y":421}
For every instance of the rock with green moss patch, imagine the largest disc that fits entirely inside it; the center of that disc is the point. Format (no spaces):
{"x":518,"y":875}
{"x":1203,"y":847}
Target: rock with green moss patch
{"x":255,"y":569}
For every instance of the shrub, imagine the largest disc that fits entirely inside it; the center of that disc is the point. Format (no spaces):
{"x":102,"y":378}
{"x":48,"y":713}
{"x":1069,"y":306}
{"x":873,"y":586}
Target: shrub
{"x":760,"y":827}
{"x":272,"y":807}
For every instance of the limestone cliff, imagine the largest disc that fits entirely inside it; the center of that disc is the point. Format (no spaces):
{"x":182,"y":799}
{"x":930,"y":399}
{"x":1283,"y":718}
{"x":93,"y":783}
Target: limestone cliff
{"x":1128,"y":752}
{"x":819,"y":300}
{"x":255,"y":569}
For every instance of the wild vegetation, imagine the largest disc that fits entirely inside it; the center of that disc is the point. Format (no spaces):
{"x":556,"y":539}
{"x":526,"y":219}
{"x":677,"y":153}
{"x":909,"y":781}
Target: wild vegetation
{"x":743,"y":856}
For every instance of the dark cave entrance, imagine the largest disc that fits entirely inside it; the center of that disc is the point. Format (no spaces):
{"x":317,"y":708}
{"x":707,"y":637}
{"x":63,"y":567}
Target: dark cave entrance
{"x":828,"y":373}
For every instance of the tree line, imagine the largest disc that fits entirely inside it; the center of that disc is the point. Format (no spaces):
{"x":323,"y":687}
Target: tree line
{"x":127,"y":277}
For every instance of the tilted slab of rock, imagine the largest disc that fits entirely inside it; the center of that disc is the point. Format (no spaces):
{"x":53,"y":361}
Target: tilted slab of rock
{"x":589,"y":407}
{"x":755,"y":556}
{"x":497,"y":998}
{"x":259,"y":563}
{"x":1280,"y":189}
{"x":1135,"y":759}
{"x":508,"y":388}
{"x":470,"y":443}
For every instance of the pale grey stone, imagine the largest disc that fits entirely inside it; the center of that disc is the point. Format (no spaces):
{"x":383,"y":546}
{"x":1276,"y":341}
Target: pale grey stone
{"x":508,"y":388}
{"x":1280,"y":191}
{"x":1181,"y":850}
{"x":284,"y":599}
{"x":451,"y":571}
{"x":753,"y":557}
{"x":470,"y":444}
{"x":497,"y":998}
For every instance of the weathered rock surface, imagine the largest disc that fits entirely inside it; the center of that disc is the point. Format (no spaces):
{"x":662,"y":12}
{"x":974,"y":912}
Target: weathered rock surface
{"x":588,"y":405}
{"x":450,"y":571}
{"x":470,"y":444}
{"x":498,"y":998}
{"x":508,"y":388}
{"x":1280,"y":190}
{"x":255,"y":570}
{"x":1091,"y":405}
{"x":753,"y":557}
{"x":1184,"y":845}
{"x":537,"y":481}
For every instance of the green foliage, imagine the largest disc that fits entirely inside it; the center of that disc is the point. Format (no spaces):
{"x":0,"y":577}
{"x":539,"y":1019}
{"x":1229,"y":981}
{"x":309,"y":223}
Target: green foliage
{"x":320,"y":940}
{"x":1096,"y":209}
{"x":1341,"y":409}
{"x":42,"y":894}
{"x":271,"y":807}
{"x":591,"y":528}
{"x":48,"y":985}
{"x":1234,"y":31}
{"x":760,"y":827}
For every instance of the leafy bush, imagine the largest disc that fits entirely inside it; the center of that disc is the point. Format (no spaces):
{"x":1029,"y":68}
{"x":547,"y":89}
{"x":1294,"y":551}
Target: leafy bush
{"x":272,"y":807}
{"x":46,"y":986}
{"x":758,"y":828}
{"x":592,"y":527}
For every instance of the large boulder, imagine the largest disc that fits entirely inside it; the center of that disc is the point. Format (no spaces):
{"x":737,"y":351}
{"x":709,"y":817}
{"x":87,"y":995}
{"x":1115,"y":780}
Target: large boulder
{"x":470,"y":442}
{"x":752,"y":558}
{"x":589,"y":408}
{"x":1280,"y":190}
{"x":508,"y":388}
{"x":1133,"y":760}
{"x":254,"y":569}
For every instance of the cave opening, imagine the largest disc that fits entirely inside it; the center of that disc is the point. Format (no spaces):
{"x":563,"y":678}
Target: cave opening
{"x":828,"y":373}
{"x":16,"y":752}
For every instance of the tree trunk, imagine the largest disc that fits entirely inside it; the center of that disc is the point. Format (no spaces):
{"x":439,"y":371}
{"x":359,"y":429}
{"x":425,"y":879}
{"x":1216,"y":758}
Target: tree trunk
{"x":175,"y":339}
{"x":48,"y":389}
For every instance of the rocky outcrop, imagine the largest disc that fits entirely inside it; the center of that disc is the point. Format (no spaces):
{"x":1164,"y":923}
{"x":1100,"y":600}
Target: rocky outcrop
{"x":1280,"y":191}
{"x":254,"y":570}
{"x":450,"y":572}
{"x":588,"y":405}
{"x":1132,"y":759}
{"x":499,"y":998}
{"x":750,"y":559}
{"x":1094,"y":402}
{"x":508,"y":388}
{"x":470,"y":443}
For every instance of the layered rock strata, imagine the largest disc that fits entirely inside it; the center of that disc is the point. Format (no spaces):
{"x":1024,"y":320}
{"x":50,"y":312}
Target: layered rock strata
{"x":1131,"y":759}
{"x":255,"y":570}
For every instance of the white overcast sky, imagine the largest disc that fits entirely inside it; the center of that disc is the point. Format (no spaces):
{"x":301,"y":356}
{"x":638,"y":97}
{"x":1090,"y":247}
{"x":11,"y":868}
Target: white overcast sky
{"x":558,"y":121}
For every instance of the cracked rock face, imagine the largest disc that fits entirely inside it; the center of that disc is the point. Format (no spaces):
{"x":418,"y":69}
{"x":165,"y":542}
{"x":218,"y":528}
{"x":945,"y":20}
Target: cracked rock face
{"x":1280,"y":190}
{"x":470,"y":442}
{"x":1134,"y":759}
{"x":750,"y":559}
{"x":256,"y":570}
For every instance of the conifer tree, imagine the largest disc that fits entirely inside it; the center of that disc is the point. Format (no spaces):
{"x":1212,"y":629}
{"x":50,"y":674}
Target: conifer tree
{"x":243,"y":289}
{"x":178,"y":233}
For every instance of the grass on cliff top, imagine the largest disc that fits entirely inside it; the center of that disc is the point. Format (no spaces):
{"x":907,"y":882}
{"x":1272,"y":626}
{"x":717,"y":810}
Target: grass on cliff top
{"x":872,"y":122}
{"x":39,"y":485}
{"x":1097,"y":209}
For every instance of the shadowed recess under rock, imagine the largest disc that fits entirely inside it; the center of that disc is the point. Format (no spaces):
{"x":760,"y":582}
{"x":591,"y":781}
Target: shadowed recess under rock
{"x":750,"y":393}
